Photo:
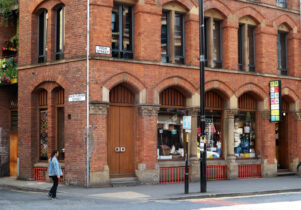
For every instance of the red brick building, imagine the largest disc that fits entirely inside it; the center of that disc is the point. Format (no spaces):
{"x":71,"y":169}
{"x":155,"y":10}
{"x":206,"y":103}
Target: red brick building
{"x":8,"y":104}
{"x":144,"y":77}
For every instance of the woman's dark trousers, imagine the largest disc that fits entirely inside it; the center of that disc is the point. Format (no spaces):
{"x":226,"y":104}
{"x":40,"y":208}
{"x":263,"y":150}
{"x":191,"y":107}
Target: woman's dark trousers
{"x":54,"y":186}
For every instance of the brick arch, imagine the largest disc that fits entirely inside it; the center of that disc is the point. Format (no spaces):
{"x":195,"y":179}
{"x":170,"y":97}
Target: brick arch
{"x":219,"y":6}
{"x":136,"y":84}
{"x":253,"y":88}
{"x":220,"y":86}
{"x":37,"y":3}
{"x":287,"y":20}
{"x":187,"y":86}
{"x":251,"y":12}
{"x":187,"y":4}
{"x":40,"y":79}
{"x":290,"y":94}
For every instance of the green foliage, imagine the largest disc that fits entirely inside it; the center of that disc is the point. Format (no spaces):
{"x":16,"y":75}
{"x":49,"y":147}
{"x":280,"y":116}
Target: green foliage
{"x":8,"y":70}
{"x":8,"y":9}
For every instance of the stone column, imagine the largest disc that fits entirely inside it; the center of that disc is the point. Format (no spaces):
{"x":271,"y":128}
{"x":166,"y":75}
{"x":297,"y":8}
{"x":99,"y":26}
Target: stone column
{"x":148,"y":171}
{"x":293,"y":45}
{"x":266,"y":134}
{"x":193,"y":159}
{"x":229,"y":143}
{"x":99,"y":169}
{"x":192,"y":44}
{"x":230,"y":43}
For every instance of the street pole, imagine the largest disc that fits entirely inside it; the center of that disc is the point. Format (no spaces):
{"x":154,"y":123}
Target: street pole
{"x":203,"y":157}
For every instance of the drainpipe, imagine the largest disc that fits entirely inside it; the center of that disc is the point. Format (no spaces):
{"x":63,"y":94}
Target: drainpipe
{"x":88,"y":96}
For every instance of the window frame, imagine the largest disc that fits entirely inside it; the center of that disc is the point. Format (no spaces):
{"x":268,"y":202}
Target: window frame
{"x":182,"y":40}
{"x":282,"y":71}
{"x":120,"y":29}
{"x":220,"y":45}
{"x":42,"y":58}
{"x":56,"y":53}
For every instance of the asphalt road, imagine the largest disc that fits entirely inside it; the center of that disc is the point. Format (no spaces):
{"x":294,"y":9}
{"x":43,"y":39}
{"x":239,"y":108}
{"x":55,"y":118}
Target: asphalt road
{"x":13,"y":199}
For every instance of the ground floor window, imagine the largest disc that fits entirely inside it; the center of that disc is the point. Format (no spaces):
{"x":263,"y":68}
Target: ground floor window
{"x":171,"y":143}
{"x":44,"y":134}
{"x":213,"y":132}
{"x":244,"y":134}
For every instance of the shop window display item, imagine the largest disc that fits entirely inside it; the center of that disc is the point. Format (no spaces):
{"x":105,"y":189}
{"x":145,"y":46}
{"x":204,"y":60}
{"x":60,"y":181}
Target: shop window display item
{"x":170,"y":135}
{"x":244,"y":135}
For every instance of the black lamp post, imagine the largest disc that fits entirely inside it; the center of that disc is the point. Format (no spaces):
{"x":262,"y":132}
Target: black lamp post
{"x":203,"y":167}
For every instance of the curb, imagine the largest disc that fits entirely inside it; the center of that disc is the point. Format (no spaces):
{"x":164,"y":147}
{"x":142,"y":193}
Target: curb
{"x":31,"y":189}
{"x":220,"y":195}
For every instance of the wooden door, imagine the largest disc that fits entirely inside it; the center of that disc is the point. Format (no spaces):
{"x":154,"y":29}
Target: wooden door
{"x":283,"y":143}
{"x":121,"y":141}
{"x":13,"y":153}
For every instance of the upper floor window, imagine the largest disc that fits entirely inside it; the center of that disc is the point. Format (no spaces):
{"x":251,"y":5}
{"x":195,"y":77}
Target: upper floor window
{"x":172,"y":37}
{"x":213,"y":44}
{"x":122,"y":31}
{"x":281,"y":3}
{"x":59,"y":33}
{"x":282,"y":52}
{"x":42,"y":36}
{"x":246,"y":45}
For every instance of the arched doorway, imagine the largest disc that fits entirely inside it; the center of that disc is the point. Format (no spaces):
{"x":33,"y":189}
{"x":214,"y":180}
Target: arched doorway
{"x":282,"y":154}
{"x":121,"y":140}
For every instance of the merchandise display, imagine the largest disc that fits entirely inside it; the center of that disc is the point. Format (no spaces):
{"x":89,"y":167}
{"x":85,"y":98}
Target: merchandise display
{"x":244,"y":135}
{"x":170,"y":134}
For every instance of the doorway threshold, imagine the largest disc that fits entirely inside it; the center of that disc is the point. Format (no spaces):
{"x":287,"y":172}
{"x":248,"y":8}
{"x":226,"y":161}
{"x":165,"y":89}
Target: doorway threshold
{"x":285,"y":172}
{"x":124,"y":182}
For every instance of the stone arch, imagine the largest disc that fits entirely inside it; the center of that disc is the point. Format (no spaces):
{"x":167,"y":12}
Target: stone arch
{"x":219,"y":6}
{"x":187,"y":4}
{"x":186,"y":86}
{"x":136,"y":85}
{"x":287,"y":20}
{"x":251,"y":12}
{"x":220,"y":86}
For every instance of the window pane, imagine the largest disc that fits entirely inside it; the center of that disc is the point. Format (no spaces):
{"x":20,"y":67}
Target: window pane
{"x":44,"y":134}
{"x":164,"y":37}
{"x":240,"y":47}
{"x":115,"y":28}
{"x":42,"y":32}
{"x":178,"y":39}
{"x":244,"y":135}
{"x":59,"y":33}
{"x":251,"y":37}
{"x":127,"y":28}
{"x":14,"y":120}
{"x":217,"y":44}
{"x":282,"y":53}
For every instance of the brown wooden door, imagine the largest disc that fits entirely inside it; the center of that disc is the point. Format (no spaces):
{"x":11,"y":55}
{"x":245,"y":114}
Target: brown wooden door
{"x":121,"y":141}
{"x":13,"y":153}
{"x":283,"y":143}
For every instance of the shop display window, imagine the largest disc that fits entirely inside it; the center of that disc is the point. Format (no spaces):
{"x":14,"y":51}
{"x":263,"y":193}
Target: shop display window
{"x":171,"y":144}
{"x":213,"y":132}
{"x":244,"y":135}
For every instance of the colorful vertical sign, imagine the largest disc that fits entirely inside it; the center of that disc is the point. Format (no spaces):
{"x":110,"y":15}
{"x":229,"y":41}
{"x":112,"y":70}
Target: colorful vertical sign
{"x":275,"y":100}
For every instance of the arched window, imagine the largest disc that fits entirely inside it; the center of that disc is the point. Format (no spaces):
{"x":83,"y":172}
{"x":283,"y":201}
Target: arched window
{"x":60,"y":121}
{"x":246,"y":44}
{"x":59,"y":32}
{"x":245,"y":127}
{"x":173,"y":34}
{"x":213,"y":35}
{"x":43,"y":124}
{"x":42,"y":36}
{"x":282,"y":49}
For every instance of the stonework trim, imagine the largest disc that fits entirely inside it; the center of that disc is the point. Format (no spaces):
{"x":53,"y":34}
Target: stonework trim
{"x":149,"y":110}
{"x":230,"y":113}
{"x":297,"y":115}
{"x":99,"y":108}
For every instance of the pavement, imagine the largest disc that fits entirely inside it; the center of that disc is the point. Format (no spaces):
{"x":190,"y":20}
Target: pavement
{"x":223,"y":188}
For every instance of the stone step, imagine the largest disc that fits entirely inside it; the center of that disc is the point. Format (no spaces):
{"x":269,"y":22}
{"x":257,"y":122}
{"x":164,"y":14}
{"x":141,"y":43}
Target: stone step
{"x":285,"y":172}
{"x":124,"y":182}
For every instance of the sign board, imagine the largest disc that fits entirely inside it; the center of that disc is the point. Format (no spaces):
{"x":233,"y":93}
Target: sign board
{"x":103,"y":50}
{"x":187,"y":122}
{"x":77,"y":97}
{"x":275,"y":100}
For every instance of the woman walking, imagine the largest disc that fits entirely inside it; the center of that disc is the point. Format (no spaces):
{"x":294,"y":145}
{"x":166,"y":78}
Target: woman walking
{"x":55,"y":172}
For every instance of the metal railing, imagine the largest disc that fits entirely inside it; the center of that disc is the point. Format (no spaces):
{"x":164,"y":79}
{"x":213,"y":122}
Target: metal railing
{"x":41,"y":173}
{"x":217,"y":172}
{"x":172,"y":175}
{"x":249,"y":171}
